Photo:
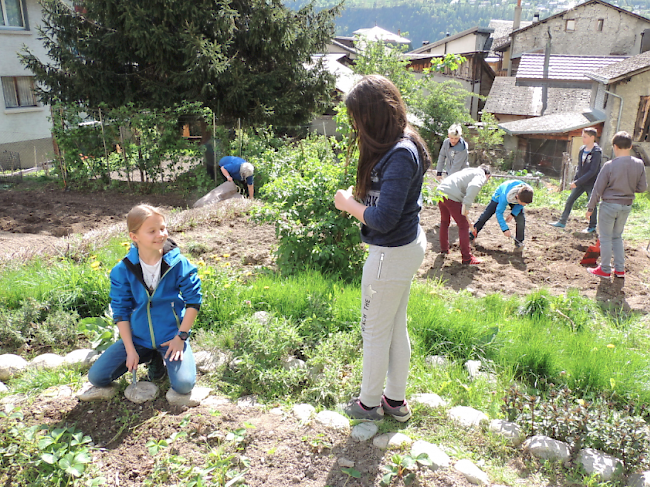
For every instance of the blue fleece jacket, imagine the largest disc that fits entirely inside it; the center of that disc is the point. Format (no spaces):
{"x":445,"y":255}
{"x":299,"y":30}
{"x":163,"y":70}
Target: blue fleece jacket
{"x":154,"y":316}
{"x":501,"y":197}
{"x":394,"y":199}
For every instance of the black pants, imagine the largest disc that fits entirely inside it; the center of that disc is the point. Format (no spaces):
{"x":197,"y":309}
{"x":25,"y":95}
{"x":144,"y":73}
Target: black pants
{"x":491,"y":209}
{"x":575,"y":194}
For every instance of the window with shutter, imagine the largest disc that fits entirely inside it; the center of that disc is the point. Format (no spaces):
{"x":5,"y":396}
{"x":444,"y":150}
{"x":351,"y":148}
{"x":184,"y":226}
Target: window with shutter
{"x":18,"y":91}
{"x":642,"y":125}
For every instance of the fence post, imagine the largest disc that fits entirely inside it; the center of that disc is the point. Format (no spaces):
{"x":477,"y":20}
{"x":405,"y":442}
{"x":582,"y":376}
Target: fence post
{"x":101,"y":123}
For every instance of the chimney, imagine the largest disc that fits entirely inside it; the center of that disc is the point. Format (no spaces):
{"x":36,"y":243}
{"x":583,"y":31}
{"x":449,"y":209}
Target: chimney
{"x":535,"y":17}
{"x":517,"y":19}
{"x":447,"y":34}
{"x":399,"y":32}
{"x":547,"y":60}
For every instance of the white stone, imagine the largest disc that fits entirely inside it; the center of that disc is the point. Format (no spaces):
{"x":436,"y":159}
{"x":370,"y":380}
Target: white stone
{"x":3,"y":387}
{"x":262,"y":317}
{"x":303,"y":412}
{"x":345,"y":463}
{"x":547,"y":448}
{"x":391,"y":440}
{"x":208,"y":362}
{"x":473,"y":367}
{"x":334,"y":420}
{"x":80,"y":357}
{"x":13,"y":399}
{"x":57,"y":391}
{"x":91,"y":393}
{"x":466,"y":416}
{"x":436,"y":361}
{"x":191,"y":400}
{"x":47,"y":361}
{"x":11,"y":365}
{"x":471,"y":472}
{"x":509,"y":430}
{"x":293,"y":363}
{"x":276,"y":412}
{"x":364,"y":431}
{"x":215,"y":401}
{"x":594,"y":461}
{"x":141,"y":391}
{"x":639,"y":479}
{"x":247,"y":402}
{"x":431,"y":400}
{"x":439,"y":459}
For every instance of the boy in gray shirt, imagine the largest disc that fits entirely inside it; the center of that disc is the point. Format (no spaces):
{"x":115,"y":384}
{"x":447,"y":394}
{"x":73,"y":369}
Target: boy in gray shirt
{"x":616,"y":184}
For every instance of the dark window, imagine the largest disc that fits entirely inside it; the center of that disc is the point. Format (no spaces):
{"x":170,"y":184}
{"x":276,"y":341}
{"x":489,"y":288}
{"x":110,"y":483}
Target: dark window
{"x":642,"y":125}
{"x":599,"y":26}
{"x":570,"y":24}
{"x":18,"y":91}
{"x":11,"y":13}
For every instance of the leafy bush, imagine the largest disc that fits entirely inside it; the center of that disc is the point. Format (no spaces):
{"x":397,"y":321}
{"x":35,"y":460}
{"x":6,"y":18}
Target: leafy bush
{"x":261,"y":352}
{"x":35,"y":327}
{"x":42,"y":455}
{"x":582,"y":424}
{"x":313,"y":234}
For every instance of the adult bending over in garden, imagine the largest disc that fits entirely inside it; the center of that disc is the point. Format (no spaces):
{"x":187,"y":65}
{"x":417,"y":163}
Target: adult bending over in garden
{"x":392,"y":161}
{"x":238,"y":169}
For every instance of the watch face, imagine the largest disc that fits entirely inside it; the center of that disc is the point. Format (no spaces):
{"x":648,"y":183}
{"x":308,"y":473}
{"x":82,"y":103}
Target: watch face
{"x":184,"y":335}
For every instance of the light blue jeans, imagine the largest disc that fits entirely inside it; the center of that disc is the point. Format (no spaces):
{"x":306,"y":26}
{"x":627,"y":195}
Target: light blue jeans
{"x":611,"y":222}
{"x":111,"y":365}
{"x":385,"y":288}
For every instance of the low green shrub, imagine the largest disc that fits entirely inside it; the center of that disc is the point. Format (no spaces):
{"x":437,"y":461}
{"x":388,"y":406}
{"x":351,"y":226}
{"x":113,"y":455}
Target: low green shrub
{"x":598,"y":424}
{"x":262,"y":349}
{"x":36,"y":328}
{"x":42,"y":455}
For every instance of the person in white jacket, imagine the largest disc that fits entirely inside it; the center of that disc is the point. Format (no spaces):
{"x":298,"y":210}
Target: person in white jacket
{"x":459,"y":192}
{"x":453,"y":155}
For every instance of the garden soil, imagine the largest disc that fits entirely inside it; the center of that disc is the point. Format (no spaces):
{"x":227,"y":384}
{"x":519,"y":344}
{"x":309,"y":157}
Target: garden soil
{"x":35,"y":221}
{"x":281,"y":450}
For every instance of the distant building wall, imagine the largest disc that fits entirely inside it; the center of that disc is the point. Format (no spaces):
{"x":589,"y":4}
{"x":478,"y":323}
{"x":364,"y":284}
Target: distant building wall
{"x":620,"y":34}
{"x":23,"y":129}
{"x":631,"y":92}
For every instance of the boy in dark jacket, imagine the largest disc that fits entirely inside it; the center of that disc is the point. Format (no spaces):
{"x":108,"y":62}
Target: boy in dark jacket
{"x":589,"y":159}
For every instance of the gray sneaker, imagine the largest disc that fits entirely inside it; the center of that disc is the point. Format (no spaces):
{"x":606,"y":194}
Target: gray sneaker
{"x":355,"y":410}
{"x":400,"y":413}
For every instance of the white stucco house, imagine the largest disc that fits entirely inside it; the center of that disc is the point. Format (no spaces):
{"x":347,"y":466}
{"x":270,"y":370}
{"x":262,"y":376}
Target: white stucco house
{"x":25,"y":130}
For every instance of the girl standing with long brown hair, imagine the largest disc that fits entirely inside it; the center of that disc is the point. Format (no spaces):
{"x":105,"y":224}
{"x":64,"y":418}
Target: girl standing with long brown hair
{"x":387,"y":200}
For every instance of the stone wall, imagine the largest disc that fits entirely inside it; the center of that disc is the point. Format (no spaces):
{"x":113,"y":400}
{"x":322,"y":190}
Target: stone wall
{"x":631,"y":92}
{"x":620,"y":35}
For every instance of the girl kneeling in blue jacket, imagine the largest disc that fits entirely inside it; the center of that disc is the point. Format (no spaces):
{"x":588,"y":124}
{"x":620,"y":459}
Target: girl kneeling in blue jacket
{"x":155,"y":297}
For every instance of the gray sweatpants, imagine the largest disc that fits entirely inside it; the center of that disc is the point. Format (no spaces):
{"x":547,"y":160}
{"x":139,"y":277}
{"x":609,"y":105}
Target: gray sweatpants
{"x":610,"y":231}
{"x":385,"y":288}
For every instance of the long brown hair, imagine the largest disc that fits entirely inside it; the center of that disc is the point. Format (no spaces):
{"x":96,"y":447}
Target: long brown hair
{"x":379,"y":118}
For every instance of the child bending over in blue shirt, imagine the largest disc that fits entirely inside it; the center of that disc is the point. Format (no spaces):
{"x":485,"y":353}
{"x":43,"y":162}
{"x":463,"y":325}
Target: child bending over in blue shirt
{"x":516,"y":195}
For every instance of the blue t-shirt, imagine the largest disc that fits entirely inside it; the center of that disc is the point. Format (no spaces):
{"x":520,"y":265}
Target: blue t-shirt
{"x":232,"y":165}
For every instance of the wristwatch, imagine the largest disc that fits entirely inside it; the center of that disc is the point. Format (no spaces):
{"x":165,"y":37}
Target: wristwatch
{"x":184,"y":334}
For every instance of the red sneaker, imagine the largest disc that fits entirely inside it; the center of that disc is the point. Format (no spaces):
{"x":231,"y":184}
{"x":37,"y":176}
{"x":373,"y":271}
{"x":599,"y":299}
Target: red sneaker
{"x":473,"y":261}
{"x":598,"y":272}
{"x":619,"y":273}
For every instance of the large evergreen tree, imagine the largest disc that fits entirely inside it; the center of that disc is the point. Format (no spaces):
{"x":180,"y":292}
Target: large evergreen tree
{"x":244,"y":59}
